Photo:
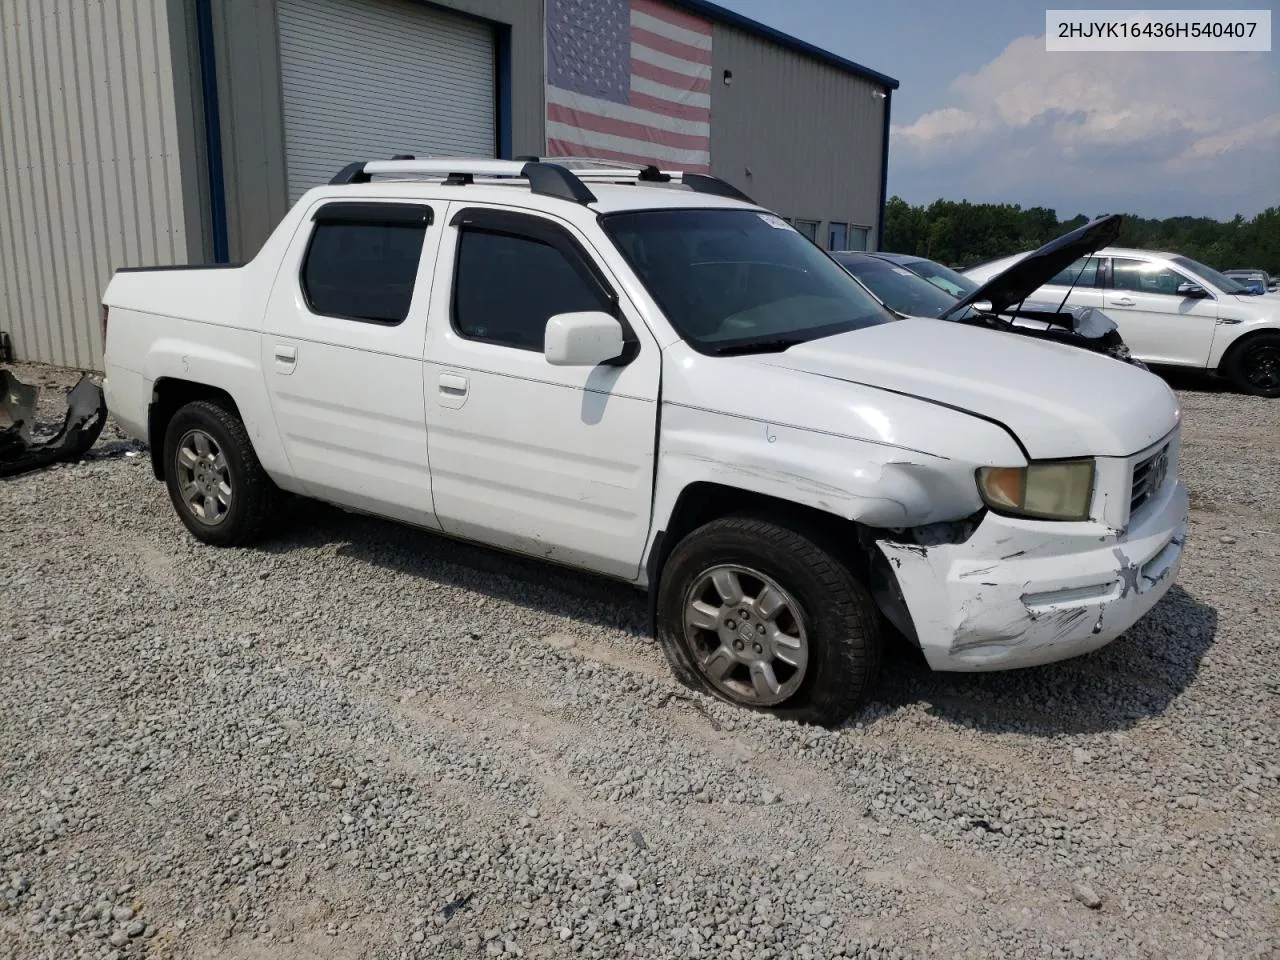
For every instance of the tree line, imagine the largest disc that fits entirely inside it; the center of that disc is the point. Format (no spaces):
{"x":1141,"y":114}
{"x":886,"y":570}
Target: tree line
{"x":963,"y":234}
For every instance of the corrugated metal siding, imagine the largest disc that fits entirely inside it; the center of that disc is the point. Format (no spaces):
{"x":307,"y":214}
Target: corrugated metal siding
{"x":91,"y":164}
{"x":249,"y":93}
{"x":528,"y":111}
{"x":378,"y":78}
{"x":810,"y":134}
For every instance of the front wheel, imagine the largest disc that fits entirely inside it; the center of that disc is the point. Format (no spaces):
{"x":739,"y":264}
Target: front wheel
{"x":763,"y":616}
{"x":1254,"y":366}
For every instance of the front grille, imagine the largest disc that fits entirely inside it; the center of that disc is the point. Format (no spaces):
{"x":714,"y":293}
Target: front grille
{"x":1149,"y":476}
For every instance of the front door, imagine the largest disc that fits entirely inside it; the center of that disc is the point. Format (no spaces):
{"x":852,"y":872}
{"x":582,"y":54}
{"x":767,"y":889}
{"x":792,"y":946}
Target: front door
{"x":1158,"y":324}
{"x":551,"y":461}
{"x":342,"y":355}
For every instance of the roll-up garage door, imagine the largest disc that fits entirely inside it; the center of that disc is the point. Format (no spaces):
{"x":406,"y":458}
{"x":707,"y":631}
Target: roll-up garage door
{"x":367,"y":79}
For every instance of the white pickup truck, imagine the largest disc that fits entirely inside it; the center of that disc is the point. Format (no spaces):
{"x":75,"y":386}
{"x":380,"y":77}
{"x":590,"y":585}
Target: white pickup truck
{"x":648,"y":376}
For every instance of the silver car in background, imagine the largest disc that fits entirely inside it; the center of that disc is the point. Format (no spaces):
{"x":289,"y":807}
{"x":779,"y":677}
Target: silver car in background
{"x":1172,"y":311}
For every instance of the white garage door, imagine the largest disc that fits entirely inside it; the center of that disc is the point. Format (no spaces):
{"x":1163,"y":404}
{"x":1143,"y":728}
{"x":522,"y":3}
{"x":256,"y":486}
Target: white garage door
{"x":367,"y":79}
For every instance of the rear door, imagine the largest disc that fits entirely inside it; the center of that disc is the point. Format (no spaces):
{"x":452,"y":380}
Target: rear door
{"x":547,"y":460}
{"x":1158,"y":324}
{"x":342,"y":353}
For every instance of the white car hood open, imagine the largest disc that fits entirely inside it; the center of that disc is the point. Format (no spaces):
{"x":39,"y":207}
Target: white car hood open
{"x":1059,"y":401}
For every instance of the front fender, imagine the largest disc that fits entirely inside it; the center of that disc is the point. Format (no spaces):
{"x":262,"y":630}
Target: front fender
{"x":875,"y":484}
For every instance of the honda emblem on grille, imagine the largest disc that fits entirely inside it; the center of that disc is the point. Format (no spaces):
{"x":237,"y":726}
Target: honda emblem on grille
{"x":1158,"y":472}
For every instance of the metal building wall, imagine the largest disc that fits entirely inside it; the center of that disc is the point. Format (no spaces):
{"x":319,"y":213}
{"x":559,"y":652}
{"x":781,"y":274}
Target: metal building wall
{"x":247,"y":46}
{"x":810,"y":133}
{"x":247,"y":57}
{"x":97,"y":144}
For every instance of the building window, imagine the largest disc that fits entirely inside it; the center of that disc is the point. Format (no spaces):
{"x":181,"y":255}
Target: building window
{"x":809,"y":228}
{"x":857,"y":238}
{"x":362,"y":271}
{"x":538,"y":282}
{"x":837,"y":236}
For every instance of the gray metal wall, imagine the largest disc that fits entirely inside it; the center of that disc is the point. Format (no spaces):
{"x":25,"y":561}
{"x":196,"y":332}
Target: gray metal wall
{"x":97,"y":144}
{"x":810,"y":133}
{"x":247,"y":49}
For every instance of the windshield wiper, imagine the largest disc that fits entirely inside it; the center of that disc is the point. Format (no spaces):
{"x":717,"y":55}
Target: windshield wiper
{"x":776,"y":345}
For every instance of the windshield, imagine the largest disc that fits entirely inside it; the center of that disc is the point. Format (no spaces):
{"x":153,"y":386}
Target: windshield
{"x":738,"y":281}
{"x":944,"y":278}
{"x":898,"y":287}
{"x":1219,"y":280}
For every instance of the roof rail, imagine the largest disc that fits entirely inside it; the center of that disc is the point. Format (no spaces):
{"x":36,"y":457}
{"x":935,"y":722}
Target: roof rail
{"x":562,"y":177}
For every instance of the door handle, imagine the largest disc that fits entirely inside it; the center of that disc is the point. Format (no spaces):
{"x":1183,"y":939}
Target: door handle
{"x":1120,"y":302}
{"x":286,"y":358}
{"x":453,"y":390}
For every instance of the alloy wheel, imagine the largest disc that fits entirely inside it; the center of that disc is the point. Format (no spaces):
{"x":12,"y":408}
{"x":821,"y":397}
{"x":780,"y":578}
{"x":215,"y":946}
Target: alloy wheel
{"x":747,"y":635}
{"x":204,"y":479}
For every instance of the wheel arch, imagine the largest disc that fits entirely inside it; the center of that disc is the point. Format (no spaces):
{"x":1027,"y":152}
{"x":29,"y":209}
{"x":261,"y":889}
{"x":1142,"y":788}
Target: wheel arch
{"x":702,"y":501}
{"x":1240,"y":343}
{"x":168,"y":396}
{"x":1228,"y":366}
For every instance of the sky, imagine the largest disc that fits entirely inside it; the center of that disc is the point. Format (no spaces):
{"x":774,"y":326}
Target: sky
{"x":984,"y":113}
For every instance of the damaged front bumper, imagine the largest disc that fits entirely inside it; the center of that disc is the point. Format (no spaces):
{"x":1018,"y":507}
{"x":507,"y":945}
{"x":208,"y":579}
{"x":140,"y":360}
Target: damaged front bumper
{"x":20,"y":451}
{"x":1017,"y":593}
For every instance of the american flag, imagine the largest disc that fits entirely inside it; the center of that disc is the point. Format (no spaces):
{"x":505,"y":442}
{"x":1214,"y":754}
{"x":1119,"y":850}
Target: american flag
{"x":629,"y":80}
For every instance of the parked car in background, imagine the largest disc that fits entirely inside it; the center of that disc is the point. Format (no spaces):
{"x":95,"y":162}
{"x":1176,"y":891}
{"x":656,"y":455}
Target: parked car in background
{"x":916,"y":286}
{"x":650,"y":377}
{"x":1172,"y":311}
{"x":1257,"y":281}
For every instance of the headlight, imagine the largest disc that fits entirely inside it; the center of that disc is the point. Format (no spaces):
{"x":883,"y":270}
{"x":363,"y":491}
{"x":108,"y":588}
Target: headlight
{"x":1060,"y":490}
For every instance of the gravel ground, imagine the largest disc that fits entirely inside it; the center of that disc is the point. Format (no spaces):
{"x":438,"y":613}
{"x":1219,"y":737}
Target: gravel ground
{"x":365,"y":741}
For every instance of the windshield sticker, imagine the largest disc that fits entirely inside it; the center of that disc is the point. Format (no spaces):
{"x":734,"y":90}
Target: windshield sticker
{"x":774,"y":221}
{"x":905,"y":273}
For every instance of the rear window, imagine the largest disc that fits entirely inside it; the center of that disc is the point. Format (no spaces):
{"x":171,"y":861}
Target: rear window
{"x":1082,"y":273}
{"x":362,"y":271}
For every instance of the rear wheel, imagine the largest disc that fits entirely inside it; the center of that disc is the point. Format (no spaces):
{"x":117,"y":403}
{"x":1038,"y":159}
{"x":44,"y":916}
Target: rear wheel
{"x":216,"y":484}
{"x":765,"y":617}
{"x":1254,"y":366}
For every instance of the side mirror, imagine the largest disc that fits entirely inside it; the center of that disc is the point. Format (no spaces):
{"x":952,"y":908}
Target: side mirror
{"x":585,"y":339}
{"x":1192,"y":290}
{"x":982,"y":306}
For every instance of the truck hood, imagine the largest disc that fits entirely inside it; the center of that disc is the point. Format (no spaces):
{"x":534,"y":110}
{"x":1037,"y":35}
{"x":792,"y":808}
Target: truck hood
{"x":1057,"y":400}
{"x":1021,"y":279}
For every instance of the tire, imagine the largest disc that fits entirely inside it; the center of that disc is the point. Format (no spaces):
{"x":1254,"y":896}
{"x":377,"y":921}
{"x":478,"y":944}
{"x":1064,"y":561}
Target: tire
{"x":225,"y":498}
{"x":1254,"y":364}
{"x":822,"y":605}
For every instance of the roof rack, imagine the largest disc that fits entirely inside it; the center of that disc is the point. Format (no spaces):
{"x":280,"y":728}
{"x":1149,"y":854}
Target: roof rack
{"x":562,"y":177}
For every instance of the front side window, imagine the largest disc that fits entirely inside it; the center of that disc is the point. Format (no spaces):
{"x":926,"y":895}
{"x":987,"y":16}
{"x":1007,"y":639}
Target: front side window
{"x":1143,"y":277}
{"x":738,"y":281}
{"x":1082,"y":273}
{"x":508,"y":286}
{"x":362,"y":261}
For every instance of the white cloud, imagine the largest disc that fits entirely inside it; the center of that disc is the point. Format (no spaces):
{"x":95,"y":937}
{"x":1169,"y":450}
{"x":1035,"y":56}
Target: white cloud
{"x":1103,"y":127}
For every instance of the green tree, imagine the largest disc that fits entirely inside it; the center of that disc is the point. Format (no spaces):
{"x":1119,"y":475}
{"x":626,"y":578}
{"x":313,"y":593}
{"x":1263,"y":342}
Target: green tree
{"x":963,"y":234}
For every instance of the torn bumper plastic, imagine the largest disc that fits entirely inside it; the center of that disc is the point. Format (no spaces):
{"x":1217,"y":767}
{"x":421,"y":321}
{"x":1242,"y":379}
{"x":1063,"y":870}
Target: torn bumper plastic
{"x":1015,"y":594}
{"x":20,"y":452}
